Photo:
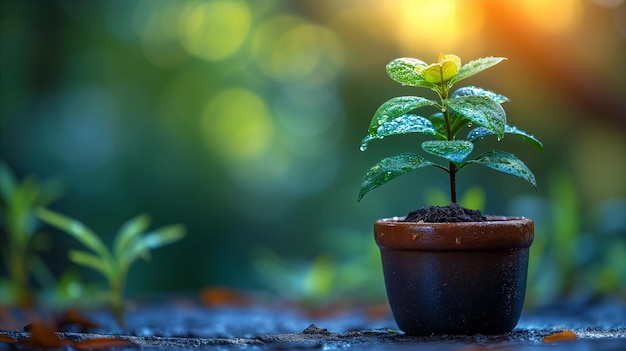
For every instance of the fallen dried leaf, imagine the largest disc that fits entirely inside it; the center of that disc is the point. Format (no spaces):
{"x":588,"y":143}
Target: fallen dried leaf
{"x":73,"y":317}
{"x":43,"y":337}
{"x":101,"y":343}
{"x":215,"y":297}
{"x":560,"y":336}
{"x":6,"y":338}
{"x":378,"y":311}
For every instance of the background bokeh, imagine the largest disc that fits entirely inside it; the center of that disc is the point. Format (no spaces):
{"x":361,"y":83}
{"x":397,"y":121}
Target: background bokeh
{"x":242,"y":119}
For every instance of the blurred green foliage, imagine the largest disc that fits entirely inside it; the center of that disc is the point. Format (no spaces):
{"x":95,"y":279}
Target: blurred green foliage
{"x":574,"y":253}
{"x":21,"y":237}
{"x":131,"y":243}
{"x":240,"y":119}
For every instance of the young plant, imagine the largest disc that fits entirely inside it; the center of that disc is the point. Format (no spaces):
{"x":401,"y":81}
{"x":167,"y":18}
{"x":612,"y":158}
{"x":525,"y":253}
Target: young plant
{"x":130,"y":243}
{"x":465,"y":107}
{"x":19,"y":231}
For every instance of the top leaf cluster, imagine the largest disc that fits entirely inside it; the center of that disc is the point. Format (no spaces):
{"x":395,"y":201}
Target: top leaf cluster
{"x":466,"y":106}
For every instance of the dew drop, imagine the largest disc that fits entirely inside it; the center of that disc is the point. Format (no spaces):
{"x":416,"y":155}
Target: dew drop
{"x":363,"y":147}
{"x":457,"y":241}
{"x":414,"y":237}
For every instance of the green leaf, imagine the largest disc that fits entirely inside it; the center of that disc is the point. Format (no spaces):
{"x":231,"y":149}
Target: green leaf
{"x":92,"y":261}
{"x":507,"y":163}
{"x":407,"y":123}
{"x":477,"y":91}
{"x":164,"y":235}
{"x":478,"y":65}
{"x":160,"y":237}
{"x":392,"y":109}
{"x":439,"y":123}
{"x":129,"y":232}
{"x":480,"y":132}
{"x":453,"y":150}
{"x":402,"y":70}
{"x":75,"y":229}
{"x":481,"y":110}
{"x":8,"y":183}
{"x":441,"y":72}
{"x":390,"y":168}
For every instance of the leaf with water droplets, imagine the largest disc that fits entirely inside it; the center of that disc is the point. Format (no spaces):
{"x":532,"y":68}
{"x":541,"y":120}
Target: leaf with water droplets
{"x":390,"y":168}
{"x":391,"y":110}
{"x":471,"y":68}
{"x":507,"y":163}
{"x":402,"y":70}
{"x":453,"y":150}
{"x":438,"y":122}
{"x":480,"y":132}
{"x":477,"y":91}
{"x":407,"y":123}
{"x":481,"y":110}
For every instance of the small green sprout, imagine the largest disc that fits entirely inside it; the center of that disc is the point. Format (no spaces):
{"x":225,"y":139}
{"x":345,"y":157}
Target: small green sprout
{"x":463,"y":108}
{"x":130,"y":243}
{"x":19,"y":231}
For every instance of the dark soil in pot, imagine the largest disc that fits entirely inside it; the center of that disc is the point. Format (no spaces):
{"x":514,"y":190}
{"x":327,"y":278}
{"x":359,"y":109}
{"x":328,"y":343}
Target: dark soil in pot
{"x":445,"y":214}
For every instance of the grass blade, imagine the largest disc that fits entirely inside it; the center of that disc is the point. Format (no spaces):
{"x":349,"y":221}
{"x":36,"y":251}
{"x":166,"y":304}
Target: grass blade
{"x":76,"y":229}
{"x":129,"y":232}
{"x":92,"y":261}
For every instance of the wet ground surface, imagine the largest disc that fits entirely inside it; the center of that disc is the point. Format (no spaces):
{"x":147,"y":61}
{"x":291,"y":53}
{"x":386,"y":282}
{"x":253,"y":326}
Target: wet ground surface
{"x":184,"y":324}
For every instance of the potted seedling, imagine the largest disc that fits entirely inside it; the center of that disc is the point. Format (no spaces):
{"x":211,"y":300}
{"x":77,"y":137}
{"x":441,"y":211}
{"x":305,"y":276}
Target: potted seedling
{"x":131,"y":243}
{"x":450,"y":270}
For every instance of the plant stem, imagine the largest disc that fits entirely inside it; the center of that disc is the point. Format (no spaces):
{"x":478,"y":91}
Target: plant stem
{"x":117,"y":298}
{"x":446,"y":116}
{"x":452,"y":173}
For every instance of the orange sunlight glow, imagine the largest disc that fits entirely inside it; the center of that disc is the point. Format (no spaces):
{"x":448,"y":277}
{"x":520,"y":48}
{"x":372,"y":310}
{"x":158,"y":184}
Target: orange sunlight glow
{"x":433,"y":24}
{"x":555,"y":16}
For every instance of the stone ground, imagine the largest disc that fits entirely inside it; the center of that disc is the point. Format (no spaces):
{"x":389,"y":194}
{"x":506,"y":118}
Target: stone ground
{"x":186,"y":324}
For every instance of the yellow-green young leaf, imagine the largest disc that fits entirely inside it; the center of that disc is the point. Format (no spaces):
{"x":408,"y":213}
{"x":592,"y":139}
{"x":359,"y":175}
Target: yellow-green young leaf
{"x":507,"y":163}
{"x":390,"y":168}
{"x":92,"y":261}
{"x":129,"y":231}
{"x":75,"y":229}
{"x":445,"y":69}
{"x":438,"y":73}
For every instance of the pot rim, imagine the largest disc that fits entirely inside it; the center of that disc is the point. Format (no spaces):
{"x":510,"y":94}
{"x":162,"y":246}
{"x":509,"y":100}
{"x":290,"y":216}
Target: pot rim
{"x":498,"y":232}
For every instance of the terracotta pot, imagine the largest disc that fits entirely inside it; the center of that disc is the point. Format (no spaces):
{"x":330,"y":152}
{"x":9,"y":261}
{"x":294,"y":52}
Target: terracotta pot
{"x":455,"y":278}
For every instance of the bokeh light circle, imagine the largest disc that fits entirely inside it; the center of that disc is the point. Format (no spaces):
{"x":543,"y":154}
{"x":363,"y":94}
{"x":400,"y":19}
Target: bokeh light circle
{"x":215,"y":30}
{"x":237,"y":125}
